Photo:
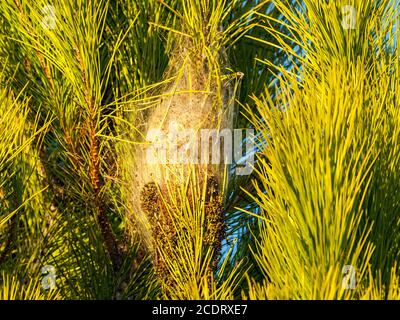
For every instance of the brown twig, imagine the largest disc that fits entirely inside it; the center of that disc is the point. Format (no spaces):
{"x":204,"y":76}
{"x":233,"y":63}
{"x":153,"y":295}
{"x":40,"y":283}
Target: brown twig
{"x":110,"y":240}
{"x":105,"y":227}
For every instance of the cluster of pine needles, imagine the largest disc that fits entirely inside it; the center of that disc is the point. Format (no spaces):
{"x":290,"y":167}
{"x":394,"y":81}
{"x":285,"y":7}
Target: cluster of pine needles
{"x":318,"y":81}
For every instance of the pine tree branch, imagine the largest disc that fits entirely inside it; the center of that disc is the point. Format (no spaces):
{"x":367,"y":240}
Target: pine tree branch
{"x":110,"y":240}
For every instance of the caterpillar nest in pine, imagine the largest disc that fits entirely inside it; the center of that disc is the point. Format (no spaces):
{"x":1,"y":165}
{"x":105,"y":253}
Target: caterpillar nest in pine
{"x":193,"y":103}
